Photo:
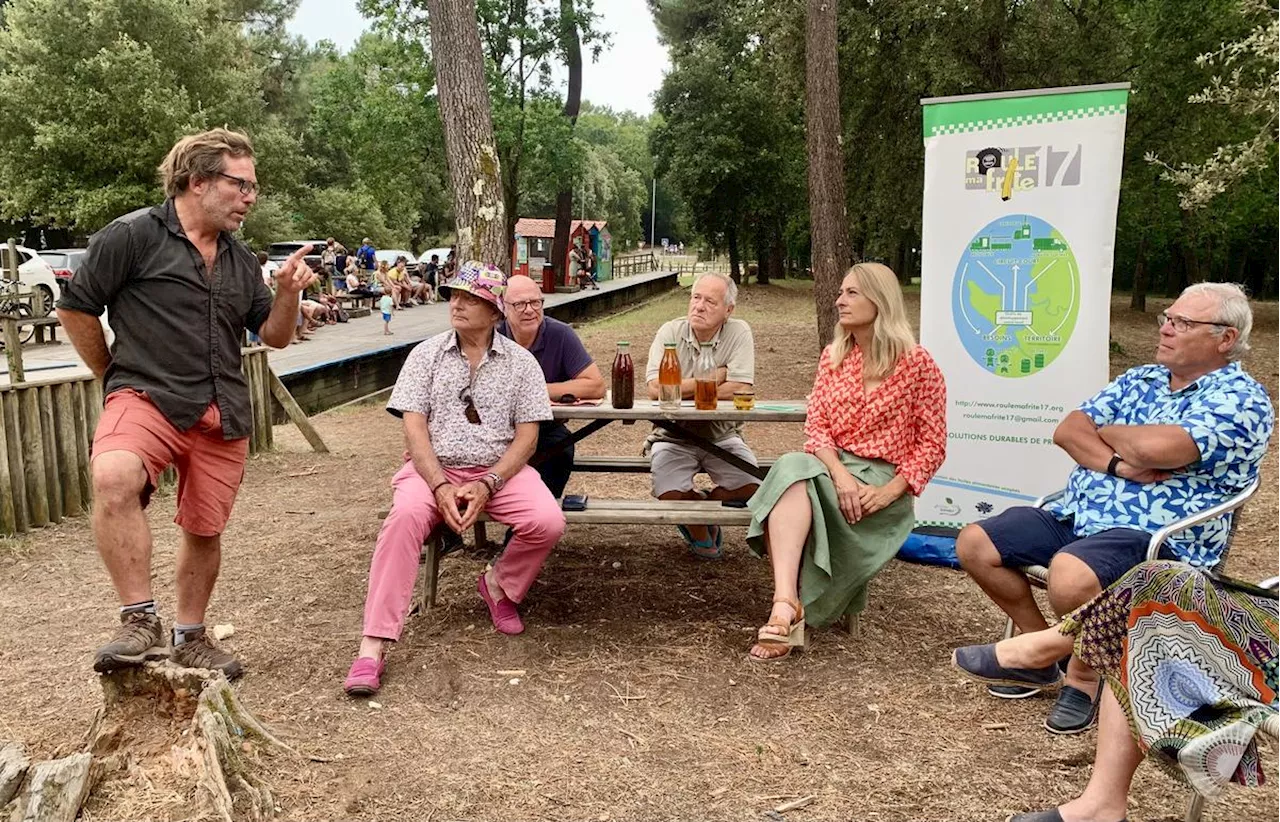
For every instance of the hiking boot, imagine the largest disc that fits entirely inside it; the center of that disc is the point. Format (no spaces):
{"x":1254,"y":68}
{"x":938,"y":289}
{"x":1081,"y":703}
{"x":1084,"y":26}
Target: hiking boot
{"x":139,"y":639}
{"x":200,"y":652}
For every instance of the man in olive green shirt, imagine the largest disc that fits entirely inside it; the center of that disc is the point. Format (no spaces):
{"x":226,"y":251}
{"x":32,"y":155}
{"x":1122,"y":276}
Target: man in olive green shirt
{"x":675,"y":463}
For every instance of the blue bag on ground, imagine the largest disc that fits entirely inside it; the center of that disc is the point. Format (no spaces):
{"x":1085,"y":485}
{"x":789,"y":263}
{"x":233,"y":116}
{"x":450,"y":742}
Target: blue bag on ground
{"x":928,"y":548}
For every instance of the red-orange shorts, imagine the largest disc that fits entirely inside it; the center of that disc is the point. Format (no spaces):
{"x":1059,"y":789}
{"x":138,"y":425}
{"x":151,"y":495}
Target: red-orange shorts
{"x":209,"y":468}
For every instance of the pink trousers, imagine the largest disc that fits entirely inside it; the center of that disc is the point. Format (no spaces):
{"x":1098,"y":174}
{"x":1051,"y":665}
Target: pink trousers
{"x":524,"y":503}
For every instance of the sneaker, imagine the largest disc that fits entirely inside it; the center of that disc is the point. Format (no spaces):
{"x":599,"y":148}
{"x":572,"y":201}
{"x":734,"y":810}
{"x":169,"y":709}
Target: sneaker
{"x":200,"y":652}
{"x":1074,"y":712}
{"x":140,"y":638}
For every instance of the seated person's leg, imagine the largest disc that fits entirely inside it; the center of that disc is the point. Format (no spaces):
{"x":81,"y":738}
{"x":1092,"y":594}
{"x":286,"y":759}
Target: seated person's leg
{"x":395,"y":560}
{"x":673,"y":466}
{"x":786,"y":530}
{"x":1077,"y":574}
{"x":1105,"y":798}
{"x":991,"y":551}
{"x":731,"y":483}
{"x":556,"y":470}
{"x":525,"y":504}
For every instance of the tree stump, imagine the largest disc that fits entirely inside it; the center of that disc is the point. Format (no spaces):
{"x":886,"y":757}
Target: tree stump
{"x":182,"y":727}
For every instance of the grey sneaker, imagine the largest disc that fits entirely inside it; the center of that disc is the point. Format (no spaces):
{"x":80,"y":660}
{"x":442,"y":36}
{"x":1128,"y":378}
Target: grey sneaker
{"x":140,"y":638}
{"x":200,"y":652}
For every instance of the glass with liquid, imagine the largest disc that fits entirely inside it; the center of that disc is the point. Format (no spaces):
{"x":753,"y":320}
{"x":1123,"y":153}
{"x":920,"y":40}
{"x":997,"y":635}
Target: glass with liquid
{"x":704,"y":380}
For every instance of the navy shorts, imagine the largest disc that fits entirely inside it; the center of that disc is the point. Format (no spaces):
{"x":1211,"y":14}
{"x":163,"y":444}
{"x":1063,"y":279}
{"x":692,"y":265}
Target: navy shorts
{"x":1032,"y":536}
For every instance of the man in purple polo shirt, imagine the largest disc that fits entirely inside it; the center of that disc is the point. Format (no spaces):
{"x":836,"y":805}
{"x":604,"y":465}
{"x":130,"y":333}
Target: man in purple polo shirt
{"x":566,"y":365}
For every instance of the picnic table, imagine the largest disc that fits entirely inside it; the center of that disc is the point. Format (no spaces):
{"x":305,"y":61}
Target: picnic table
{"x":601,"y":511}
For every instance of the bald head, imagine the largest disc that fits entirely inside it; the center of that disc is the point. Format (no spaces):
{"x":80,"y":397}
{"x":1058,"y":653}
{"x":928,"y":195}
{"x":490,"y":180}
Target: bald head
{"x":520,"y":287}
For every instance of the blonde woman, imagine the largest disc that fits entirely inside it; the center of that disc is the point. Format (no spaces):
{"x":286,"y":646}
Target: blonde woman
{"x":832,"y":516}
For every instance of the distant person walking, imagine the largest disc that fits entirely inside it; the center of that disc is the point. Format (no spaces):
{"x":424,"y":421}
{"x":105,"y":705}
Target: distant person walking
{"x":175,"y":273}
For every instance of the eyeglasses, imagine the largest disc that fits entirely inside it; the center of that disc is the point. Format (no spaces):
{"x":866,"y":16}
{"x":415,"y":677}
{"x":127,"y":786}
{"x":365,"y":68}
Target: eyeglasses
{"x":246,"y":186}
{"x":523,"y":304}
{"x":1182,"y":324}
{"x":473,"y":416}
{"x":567,"y":399}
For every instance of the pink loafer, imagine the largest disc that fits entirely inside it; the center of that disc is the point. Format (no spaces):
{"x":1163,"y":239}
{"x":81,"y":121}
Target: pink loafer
{"x":365,"y":677}
{"x":503,"y":613}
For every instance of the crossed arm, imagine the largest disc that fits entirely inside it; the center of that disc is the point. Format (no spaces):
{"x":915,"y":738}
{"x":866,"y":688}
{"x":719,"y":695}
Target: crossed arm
{"x":724,"y":386}
{"x":1146,"y":452}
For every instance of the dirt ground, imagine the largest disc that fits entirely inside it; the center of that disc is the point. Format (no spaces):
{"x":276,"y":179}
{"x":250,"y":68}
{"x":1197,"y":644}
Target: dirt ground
{"x":636,"y":701}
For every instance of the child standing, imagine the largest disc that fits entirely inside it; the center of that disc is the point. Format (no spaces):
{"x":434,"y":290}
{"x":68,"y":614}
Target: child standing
{"x":386,"y":304}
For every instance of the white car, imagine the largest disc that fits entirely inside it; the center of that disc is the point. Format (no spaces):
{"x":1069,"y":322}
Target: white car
{"x":393,"y":254}
{"x":442,"y":254}
{"x":34,"y":273}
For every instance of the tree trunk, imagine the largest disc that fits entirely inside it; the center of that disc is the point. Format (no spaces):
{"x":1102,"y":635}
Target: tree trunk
{"x":826,"y":161}
{"x":776,"y":266}
{"x":735,"y":261}
{"x":471,"y":152}
{"x":762,"y":255}
{"x":572,"y":103}
{"x":1138,"y":300}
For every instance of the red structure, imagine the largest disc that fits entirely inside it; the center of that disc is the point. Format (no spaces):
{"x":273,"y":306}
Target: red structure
{"x":531,"y":249}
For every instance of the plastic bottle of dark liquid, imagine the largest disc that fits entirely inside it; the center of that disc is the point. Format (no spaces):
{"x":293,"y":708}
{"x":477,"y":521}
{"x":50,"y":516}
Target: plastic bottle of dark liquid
{"x":624,"y":377}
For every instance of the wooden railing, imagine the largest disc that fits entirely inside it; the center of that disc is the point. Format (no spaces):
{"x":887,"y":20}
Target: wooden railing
{"x":46,"y":432}
{"x":626,"y":265}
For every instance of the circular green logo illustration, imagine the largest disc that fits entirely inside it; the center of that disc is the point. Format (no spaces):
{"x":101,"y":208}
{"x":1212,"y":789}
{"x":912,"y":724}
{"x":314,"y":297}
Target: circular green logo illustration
{"x":1016,"y":296}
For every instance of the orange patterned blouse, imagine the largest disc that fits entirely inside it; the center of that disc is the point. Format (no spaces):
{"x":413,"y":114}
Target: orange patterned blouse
{"x":903,"y":421}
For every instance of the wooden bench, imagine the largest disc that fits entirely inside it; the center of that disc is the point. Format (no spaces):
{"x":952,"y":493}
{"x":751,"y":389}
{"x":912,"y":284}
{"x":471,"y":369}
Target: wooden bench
{"x":41,"y":326}
{"x":625,"y":465}
{"x":598,"y":512}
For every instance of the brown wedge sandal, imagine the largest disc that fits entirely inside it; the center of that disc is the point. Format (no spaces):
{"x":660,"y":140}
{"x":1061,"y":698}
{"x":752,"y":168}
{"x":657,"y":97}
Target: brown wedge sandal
{"x":792,"y":640}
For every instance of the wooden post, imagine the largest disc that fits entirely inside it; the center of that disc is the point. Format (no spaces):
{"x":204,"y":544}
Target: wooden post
{"x":264,"y":387}
{"x":8,"y":520}
{"x":295,"y":413}
{"x":12,"y":349}
{"x":33,"y":456}
{"x":68,"y":453}
{"x":17,"y":470}
{"x":93,"y":406}
{"x":48,"y":441}
{"x":84,"y":437}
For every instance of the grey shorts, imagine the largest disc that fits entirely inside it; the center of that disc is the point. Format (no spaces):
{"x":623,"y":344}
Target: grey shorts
{"x":674,"y":464}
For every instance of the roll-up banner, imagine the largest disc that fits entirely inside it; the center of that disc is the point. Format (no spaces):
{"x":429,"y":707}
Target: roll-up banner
{"x":1020,"y":197}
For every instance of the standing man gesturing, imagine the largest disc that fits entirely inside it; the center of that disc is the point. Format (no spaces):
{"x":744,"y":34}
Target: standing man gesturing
{"x":180,"y":292}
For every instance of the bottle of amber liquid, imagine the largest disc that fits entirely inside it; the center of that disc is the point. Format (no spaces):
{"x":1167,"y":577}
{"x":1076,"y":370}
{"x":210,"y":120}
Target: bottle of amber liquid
{"x":669,"y":377}
{"x":704,"y":380}
{"x":624,"y":377}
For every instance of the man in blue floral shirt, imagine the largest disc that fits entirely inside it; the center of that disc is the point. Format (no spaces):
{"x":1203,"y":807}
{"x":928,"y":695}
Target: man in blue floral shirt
{"x":1159,"y":443}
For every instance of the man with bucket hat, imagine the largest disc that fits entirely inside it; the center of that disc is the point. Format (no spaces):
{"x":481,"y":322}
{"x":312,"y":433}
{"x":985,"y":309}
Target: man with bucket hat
{"x":471,"y":401}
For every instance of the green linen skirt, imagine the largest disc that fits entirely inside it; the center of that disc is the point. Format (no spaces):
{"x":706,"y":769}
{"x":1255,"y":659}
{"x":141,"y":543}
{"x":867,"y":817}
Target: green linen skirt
{"x":839,"y":559}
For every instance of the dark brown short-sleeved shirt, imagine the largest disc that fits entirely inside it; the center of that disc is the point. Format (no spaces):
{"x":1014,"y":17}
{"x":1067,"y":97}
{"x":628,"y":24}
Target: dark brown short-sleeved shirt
{"x":177,"y":329}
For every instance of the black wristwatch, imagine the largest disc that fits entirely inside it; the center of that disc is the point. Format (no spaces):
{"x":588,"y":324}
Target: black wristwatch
{"x":1111,"y":466}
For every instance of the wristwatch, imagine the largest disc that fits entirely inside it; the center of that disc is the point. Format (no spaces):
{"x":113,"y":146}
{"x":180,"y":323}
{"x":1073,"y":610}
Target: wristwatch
{"x":1111,"y":466}
{"x":494,"y":480}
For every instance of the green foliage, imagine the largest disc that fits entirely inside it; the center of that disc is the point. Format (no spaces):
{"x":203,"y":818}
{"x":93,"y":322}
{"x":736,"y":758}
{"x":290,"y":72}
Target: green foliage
{"x":348,"y":215}
{"x":270,"y":220}
{"x":94,"y":93}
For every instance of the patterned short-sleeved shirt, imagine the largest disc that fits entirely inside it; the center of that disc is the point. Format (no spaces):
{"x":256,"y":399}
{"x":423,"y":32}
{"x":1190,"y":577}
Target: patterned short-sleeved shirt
{"x":507,"y":389}
{"x":1229,"y":416}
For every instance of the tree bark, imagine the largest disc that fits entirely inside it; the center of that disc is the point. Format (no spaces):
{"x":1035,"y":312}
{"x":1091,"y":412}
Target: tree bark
{"x":474,"y":170}
{"x":762,"y":254}
{"x":827,"y":214}
{"x":1138,"y":300}
{"x":572,"y":104}
{"x":735,"y":260}
{"x":776,"y":266}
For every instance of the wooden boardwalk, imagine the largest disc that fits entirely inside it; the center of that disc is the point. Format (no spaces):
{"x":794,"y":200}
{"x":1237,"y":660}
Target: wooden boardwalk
{"x":334,"y":342}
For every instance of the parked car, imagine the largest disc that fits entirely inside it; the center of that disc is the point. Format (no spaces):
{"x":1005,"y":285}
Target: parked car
{"x":393,"y":254}
{"x":279,"y":252}
{"x":65,"y":262}
{"x":34,"y":273}
{"x":441,"y":253}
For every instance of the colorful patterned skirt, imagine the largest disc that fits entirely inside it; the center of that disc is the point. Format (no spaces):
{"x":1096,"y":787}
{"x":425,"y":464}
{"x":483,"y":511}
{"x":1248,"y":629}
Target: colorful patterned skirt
{"x":1193,"y":664}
